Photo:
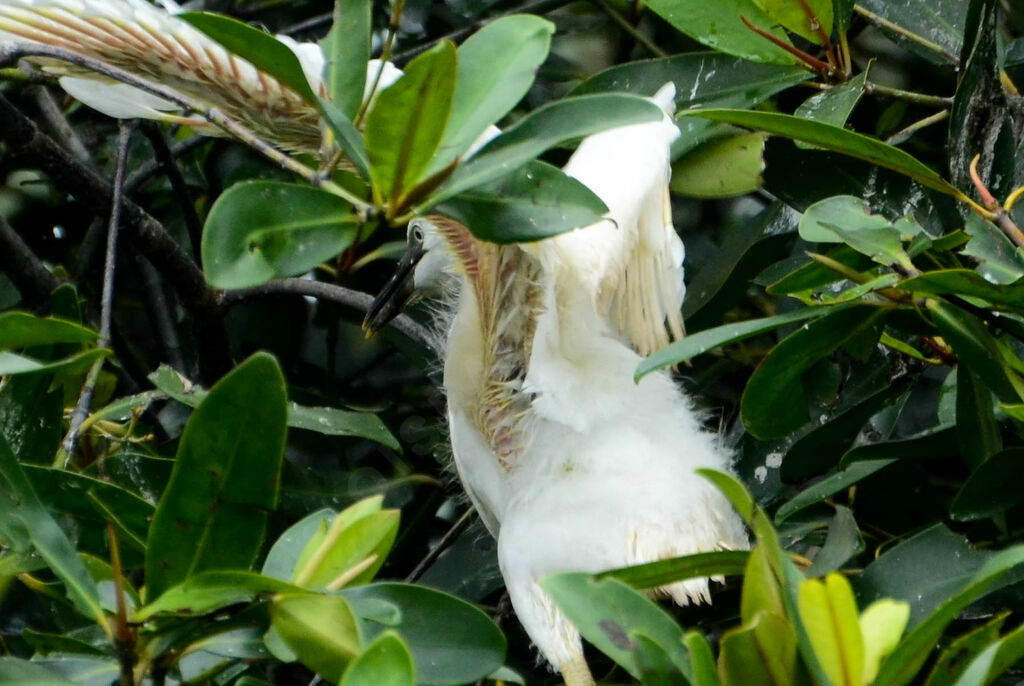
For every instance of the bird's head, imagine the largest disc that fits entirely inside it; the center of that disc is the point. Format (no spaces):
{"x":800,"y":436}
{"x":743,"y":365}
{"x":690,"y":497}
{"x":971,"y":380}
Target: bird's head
{"x":421,"y":270}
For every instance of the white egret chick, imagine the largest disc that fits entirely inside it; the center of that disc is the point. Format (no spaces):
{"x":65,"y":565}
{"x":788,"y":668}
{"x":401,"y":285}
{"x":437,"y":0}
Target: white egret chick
{"x":572,"y":465}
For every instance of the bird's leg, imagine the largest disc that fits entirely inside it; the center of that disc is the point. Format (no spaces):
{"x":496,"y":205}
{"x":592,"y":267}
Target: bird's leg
{"x":575,"y":672}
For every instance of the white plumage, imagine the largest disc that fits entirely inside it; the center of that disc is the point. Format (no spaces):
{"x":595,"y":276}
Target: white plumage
{"x":572,"y":465}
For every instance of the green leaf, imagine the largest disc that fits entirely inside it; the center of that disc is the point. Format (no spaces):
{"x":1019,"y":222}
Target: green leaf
{"x":976,"y":348}
{"x":976,"y":429}
{"x":834,"y":104}
{"x":225,"y":479}
{"x":843,"y":542}
{"x":829,"y":612}
{"x":761,"y":652}
{"x":536,"y":201}
{"x":265,"y":52}
{"x":319,"y":543}
{"x":663,"y":572}
{"x":807,"y":19}
{"x":348,"y":136}
{"x":346,"y":544}
{"x":703,"y":660}
{"x":703,"y":341}
{"x":940,"y":22}
{"x":12,"y":363}
{"x":385,"y":662}
{"x":849,"y":219}
{"x":408,"y":119}
{"x":761,"y":593}
{"x":506,"y":51}
{"x":14,"y":670}
{"x":994,"y":660}
{"x":830,"y":485}
{"x":773,"y":403}
{"x":289,"y":546}
{"x":321,"y":630}
{"x":452,"y":642}
{"x":32,"y":417}
{"x":1001,"y":261}
{"x":721,"y":168}
{"x":208,"y":591}
{"x":260,"y":230}
{"x":542,"y":129}
{"x":718,"y":26}
{"x":881,"y":625}
{"x":702,"y":79}
{"x":958,"y":654}
{"x":346,"y":51}
{"x":993,"y":487}
{"x":21,"y":507}
{"x":834,"y":138}
{"x":969,"y":283}
{"x":21,"y":329}
{"x":608,"y":612}
{"x":906,"y":660}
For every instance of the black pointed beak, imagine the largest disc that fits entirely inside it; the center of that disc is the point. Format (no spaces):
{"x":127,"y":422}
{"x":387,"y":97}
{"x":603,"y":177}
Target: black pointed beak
{"x":397,"y":293}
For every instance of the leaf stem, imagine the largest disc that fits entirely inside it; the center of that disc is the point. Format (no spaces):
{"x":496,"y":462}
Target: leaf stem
{"x":903,"y":134}
{"x":908,"y":96}
{"x":816,"y":65}
{"x":124,"y":640}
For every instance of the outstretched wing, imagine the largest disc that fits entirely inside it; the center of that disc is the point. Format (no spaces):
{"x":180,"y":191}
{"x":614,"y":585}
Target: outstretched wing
{"x":633,"y":261}
{"x":148,"y":42}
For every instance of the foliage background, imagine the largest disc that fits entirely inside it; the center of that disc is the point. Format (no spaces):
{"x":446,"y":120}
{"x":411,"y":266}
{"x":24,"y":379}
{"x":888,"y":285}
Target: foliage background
{"x":904,"y":471}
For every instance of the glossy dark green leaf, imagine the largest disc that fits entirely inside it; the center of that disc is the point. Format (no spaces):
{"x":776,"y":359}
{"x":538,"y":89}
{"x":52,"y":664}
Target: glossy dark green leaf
{"x":813,"y":275}
{"x":541,"y":130}
{"x":20,"y":507}
{"x":608,"y":612}
{"x":967,"y":282}
{"x":82,"y":670}
{"x":408,"y":119}
{"x":45,"y":643}
{"x":900,"y":667}
{"x":348,"y":136}
{"x":992,"y":488}
{"x":834,"y":104}
{"x":975,"y":347}
{"x":321,"y":629}
{"x":452,"y":642}
{"x":1001,"y":262}
{"x":718,"y":26}
{"x":848,"y":219}
{"x":834,"y":138}
{"x":226,"y":477}
{"x":996,"y":659}
{"x":385,"y":662}
{"x":702,"y":79}
{"x":535,"y":201}
{"x":809,"y":19}
{"x":940,"y":23}
{"x":843,"y":542}
{"x":21,"y":329}
{"x":933,"y":443}
{"x":662,"y":572}
{"x":14,"y":670}
{"x":66,"y":492}
{"x":31,"y":417}
{"x":264,"y":51}
{"x":721,"y":168}
{"x":12,"y":363}
{"x":208,"y":591}
{"x":830,"y":485}
{"x":956,"y":656}
{"x":976,"y":430}
{"x":346,"y":51}
{"x":703,"y":341}
{"x":506,"y":51}
{"x":260,"y":230}
{"x":773,"y":402}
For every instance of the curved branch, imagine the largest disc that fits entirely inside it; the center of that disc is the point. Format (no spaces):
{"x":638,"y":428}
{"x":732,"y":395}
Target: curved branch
{"x":347,"y":297}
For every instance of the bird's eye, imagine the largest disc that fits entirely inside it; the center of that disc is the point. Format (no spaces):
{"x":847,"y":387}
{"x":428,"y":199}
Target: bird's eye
{"x":417,"y":234}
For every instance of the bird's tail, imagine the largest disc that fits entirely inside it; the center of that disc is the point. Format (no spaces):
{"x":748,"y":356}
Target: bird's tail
{"x":147,"y":42}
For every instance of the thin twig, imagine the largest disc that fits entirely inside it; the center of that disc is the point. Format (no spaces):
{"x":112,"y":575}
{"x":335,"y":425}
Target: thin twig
{"x":160,"y":314}
{"x":364,"y":106}
{"x":193,"y":224}
{"x":124,"y":640}
{"x":145,"y":172}
{"x":903,"y":134}
{"x":449,"y":537}
{"x":28,"y":273}
{"x":884,"y":23}
{"x":356,"y":300}
{"x":629,"y":29}
{"x":908,"y":96}
{"x":14,"y":51}
{"x":309,"y":24}
{"x":58,"y":124}
{"x":823,"y":69}
{"x":81,"y":410}
{"x":26,"y":144}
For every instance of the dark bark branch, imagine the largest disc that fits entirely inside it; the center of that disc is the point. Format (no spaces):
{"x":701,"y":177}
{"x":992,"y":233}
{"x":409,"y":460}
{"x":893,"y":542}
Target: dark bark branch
{"x":193,"y":224}
{"x":146,"y":171}
{"x":33,"y":280}
{"x":57,"y":124}
{"x":27,"y":145}
{"x":356,"y":300}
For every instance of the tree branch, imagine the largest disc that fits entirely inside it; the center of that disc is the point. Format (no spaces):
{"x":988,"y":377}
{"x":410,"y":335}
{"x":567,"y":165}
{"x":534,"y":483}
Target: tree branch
{"x":356,"y":300}
{"x":28,"y":273}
